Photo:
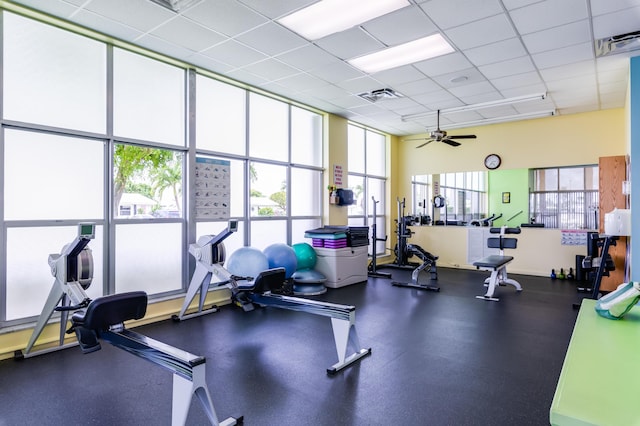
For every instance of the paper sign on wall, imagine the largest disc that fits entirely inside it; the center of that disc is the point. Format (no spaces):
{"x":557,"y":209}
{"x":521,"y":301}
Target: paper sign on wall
{"x":212,"y":186}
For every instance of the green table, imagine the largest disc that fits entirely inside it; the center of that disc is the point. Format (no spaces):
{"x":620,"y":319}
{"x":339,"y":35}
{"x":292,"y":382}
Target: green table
{"x":600,"y":379}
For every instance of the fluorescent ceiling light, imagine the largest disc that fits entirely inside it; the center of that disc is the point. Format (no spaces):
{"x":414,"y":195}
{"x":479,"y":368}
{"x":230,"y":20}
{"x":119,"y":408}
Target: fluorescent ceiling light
{"x":331,"y":16}
{"x":504,"y":119}
{"x":482,"y":105}
{"x":403,"y":54}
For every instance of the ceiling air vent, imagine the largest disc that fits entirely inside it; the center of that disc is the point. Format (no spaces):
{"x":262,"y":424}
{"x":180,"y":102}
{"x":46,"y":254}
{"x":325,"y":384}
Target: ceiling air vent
{"x":380,"y":94}
{"x":176,"y":5}
{"x":618,"y":44}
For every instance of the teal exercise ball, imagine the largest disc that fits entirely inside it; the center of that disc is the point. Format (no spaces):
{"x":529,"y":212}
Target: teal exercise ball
{"x":306,"y":256}
{"x":247,"y":262}
{"x":280,"y":255}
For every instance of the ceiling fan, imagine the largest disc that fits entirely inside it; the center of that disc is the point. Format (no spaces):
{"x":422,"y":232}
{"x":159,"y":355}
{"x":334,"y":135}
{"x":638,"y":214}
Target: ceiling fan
{"x":441,"y":136}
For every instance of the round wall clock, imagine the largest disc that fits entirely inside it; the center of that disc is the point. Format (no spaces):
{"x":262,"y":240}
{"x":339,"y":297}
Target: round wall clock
{"x":492,"y":161}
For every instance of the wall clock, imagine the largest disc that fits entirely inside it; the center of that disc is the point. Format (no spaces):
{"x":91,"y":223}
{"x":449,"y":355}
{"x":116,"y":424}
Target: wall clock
{"x":492,"y":161}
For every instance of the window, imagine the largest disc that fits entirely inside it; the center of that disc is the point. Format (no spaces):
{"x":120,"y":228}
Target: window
{"x":565,"y":198}
{"x":53,"y":77}
{"x":367,"y":153}
{"x":148,"y":98}
{"x":115,"y":151}
{"x":147,"y":182}
{"x":465,"y":195}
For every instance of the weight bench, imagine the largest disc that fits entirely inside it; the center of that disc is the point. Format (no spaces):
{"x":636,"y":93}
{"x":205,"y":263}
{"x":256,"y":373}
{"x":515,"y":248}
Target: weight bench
{"x":497,"y":264}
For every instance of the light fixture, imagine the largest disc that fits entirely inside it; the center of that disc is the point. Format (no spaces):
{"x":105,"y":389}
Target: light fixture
{"x":403,"y":54}
{"x":482,"y":105}
{"x":503,"y":119}
{"x":331,"y":16}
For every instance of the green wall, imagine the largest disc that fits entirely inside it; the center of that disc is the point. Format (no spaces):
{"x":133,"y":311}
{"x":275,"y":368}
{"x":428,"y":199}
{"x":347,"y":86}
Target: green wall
{"x":516,"y":183}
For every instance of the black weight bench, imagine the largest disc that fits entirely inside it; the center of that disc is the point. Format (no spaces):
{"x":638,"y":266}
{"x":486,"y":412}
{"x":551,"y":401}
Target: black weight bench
{"x":497,"y":263}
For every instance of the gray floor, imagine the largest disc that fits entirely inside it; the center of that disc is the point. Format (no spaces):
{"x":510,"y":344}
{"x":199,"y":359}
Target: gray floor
{"x":441,"y":358}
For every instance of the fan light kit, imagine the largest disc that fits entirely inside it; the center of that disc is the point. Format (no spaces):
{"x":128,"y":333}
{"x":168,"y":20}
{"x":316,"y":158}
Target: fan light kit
{"x":440,"y":135}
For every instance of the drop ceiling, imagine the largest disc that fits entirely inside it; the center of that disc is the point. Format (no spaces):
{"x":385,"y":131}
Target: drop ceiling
{"x":503,"y":49}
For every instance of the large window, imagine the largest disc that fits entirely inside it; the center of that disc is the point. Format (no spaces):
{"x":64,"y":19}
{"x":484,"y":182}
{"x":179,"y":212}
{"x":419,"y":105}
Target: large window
{"x":565,"y":198}
{"x":367,"y":179}
{"x":99,"y":133}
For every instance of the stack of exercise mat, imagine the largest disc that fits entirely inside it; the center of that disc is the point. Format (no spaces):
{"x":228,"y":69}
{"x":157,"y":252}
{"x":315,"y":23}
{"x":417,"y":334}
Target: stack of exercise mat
{"x":336,"y":237}
{"x":341,"y":253}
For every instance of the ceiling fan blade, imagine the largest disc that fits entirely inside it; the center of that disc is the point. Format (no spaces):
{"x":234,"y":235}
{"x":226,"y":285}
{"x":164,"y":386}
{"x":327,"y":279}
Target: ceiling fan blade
{"x":426,"y":143}
{"x":450,"y":142}
{"x":462,"y":137}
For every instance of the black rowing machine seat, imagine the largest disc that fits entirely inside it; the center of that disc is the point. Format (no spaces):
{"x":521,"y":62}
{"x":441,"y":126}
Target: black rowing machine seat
{"x":104,"y":312}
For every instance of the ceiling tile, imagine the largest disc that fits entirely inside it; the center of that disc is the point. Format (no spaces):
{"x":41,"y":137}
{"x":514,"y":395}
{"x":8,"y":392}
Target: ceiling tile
{"x":271,"y":69}
{"x":106,"y":25}
{"x":472,"y":75}
{"x":417,"y":87}
{"x":568,"y":71}
{"x":272,"y":39}
{"x":160,"y":45}
{"x":510,"y":67}
{"x":403,"y":25}
{"x":524,"y":90}
{"x":622,"y":22}
{"x":245,"y":76}
{"x":563,"y":56}
{"x":186,"y":33}
{"x":554,"y":38}
{"x":349,"y":44}
{"x":601,"y":7}
{"x":224,"y":16}
{"x":443,"y":64}
{"x":233,"y":53}
{"x":548,"y":14}
{"x":336,"y":72}
{"x":360,"y":84}
{"x":472,"y":89}
{"x":399,"y":75}
{"x":302,"y":81}
{"x":452,"y":13}
{"x":496,"y":52}
{"x":58,"y":8}
{"x":307,"y":57}
{"x":139,"y":14}
{"x":479,"y":33}
{"x":328,"y":92}
{"x":208,"y":63}
{"x":515,"y":4}
{"x":517,"y":80}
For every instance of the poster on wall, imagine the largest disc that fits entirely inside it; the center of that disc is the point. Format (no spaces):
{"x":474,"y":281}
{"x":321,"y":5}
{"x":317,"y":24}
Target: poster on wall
{"x":212,"y":188}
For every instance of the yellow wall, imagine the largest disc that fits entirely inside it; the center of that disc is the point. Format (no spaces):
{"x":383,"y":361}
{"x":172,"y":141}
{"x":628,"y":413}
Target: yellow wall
{"x":548,"y":142}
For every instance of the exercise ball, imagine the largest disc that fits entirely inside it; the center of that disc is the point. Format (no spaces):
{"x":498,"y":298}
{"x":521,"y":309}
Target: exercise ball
{"x":306,"y":256}
{"x":247,"y":262}
{"x":280,"y":255}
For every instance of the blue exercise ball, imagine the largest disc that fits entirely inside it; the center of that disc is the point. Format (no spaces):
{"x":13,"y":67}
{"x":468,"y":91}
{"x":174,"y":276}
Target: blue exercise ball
{"x":280,"y":255}
{"x":247,"y":262}
{"x":306,"y":256}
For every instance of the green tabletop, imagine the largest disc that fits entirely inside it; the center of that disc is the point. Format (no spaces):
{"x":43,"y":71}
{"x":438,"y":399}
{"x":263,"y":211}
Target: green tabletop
{"x":600,"y":379}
